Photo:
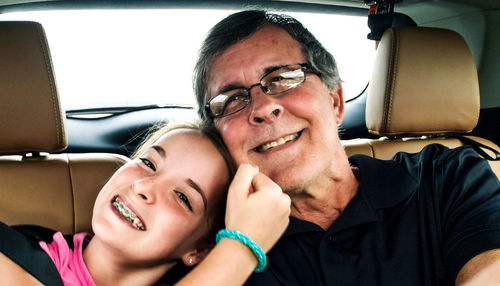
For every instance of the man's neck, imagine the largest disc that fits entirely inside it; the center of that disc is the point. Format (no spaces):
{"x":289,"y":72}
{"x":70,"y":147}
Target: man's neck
{"x":323,"y":202}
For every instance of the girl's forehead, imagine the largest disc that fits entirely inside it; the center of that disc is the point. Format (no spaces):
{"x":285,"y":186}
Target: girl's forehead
{"x":188,"y":132}
{"x":186,"y":147}
{"x":194,"y":154}
{"x":174,"y":137}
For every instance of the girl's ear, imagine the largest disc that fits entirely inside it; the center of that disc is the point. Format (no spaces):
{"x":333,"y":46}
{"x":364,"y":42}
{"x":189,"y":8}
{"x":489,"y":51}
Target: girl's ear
{"x":197,"y":255}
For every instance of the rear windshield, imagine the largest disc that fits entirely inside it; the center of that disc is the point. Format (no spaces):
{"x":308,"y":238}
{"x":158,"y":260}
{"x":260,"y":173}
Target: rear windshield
{"x":125,"y":58}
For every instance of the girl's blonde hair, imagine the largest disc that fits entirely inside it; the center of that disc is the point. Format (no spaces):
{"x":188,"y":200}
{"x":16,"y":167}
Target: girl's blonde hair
{"x":157,"y":131}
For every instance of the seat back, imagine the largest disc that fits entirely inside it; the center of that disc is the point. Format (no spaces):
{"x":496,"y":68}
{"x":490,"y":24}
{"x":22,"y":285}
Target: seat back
{"x":424,"y":86}
{"x":39,"y":184}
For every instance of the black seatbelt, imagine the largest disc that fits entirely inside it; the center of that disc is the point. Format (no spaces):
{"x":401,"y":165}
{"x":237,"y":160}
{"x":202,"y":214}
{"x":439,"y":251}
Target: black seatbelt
{"x":27,"y":254}
{"x":478,"y":147}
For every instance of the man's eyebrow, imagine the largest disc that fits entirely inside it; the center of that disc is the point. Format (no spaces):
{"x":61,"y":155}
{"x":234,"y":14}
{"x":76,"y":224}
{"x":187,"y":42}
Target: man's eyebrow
{"x":160,"y":150}
{"x":272,"y":68}
{"x":199,"y":190}
{"x":229,"y":87}
{"x":232,"y":86}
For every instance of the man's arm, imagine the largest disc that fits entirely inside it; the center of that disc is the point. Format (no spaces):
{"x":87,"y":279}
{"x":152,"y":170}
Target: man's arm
{"x":471,"y":211}
{"x":483,"y":269}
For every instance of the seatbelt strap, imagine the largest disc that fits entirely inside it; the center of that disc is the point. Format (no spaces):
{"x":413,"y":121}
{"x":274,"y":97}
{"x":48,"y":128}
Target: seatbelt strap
{"x":493,"y":155}
{"x":28,"y":255}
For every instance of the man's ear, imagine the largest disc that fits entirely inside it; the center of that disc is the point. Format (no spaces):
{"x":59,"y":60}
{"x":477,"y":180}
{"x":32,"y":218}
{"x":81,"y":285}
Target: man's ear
{"x":195,"y":256}
{"x":338,"y":103}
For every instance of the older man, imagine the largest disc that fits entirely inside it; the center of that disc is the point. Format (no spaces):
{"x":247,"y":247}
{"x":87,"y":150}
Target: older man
{"x":275,"y":95}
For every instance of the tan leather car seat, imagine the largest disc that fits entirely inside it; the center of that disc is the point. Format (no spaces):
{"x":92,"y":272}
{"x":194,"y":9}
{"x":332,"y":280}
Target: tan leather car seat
{"x":36,"y":185}
{"x":424,"y":86}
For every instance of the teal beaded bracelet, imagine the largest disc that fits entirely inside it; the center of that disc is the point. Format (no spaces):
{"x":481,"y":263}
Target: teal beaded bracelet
{"x":234,"y":234}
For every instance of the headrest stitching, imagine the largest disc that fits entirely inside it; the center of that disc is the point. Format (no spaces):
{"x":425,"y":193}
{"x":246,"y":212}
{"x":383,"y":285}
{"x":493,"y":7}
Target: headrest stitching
{"x":391,"y":78}
{"x":73,"y":188}
{"x":49,"y":73}
{"x":473,"y":68}
{"x":396,"y":46}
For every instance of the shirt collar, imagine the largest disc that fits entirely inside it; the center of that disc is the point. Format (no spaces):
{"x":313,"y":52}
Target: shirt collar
{"x":383,"y":184}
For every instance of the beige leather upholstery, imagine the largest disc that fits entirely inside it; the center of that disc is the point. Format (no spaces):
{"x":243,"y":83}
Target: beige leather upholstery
{"x":28,"y":91}
{"x":36,"y":187}
{"x":385,"y":148}
{"x":424,"y":82}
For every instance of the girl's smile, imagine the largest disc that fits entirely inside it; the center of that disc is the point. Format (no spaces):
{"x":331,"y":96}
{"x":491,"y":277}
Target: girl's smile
{"x":127,"y":214}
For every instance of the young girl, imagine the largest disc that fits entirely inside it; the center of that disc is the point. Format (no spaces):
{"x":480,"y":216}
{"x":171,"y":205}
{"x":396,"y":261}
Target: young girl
{"x":163,"y":208}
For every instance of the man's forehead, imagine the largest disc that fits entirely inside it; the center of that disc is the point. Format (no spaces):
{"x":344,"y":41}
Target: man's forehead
{"x":253,"y":56}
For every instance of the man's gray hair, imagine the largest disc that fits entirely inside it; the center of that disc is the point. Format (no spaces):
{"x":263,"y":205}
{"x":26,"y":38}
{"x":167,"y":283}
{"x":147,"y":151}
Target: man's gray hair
{"x":238,"y":26}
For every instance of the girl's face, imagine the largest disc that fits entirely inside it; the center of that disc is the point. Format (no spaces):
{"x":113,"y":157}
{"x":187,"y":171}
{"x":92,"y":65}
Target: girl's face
{"x":156,"y":208}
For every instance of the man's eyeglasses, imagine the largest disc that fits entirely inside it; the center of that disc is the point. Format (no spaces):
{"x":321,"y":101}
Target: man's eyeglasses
{"x":272,"y":83}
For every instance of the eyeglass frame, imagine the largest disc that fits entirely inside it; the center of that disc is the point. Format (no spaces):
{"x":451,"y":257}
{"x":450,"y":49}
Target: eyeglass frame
{"x":304,"y":67}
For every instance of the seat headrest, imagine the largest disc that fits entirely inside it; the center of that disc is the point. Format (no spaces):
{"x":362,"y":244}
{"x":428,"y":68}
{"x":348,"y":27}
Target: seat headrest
{"x":30,"y":115}
{"x":424,"y":82}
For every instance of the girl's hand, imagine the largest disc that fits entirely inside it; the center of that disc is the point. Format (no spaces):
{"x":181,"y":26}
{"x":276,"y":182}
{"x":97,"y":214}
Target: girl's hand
{"x":257,"y":207}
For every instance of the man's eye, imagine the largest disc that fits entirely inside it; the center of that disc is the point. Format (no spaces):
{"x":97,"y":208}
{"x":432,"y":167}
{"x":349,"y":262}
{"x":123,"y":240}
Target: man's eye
{"x":236,"y":100}
{"x":276,"y":79}
{"x":184,"y":199}
{"x":148,"y":164}
{"x":238,"y":96}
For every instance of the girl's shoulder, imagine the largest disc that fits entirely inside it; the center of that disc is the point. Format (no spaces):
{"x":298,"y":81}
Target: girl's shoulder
{"x":13,"y":274}
{"x":21,"y":253}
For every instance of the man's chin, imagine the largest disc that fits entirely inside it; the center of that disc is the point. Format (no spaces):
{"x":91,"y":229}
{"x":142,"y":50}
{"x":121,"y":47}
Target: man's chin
{"x":287,"y":178}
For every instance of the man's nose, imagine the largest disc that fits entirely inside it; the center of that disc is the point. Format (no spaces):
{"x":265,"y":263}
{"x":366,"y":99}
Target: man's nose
{"x":264,"y":108}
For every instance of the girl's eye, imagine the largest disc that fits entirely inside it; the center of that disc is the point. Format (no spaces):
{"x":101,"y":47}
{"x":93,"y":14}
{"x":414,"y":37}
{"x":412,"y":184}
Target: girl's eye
{"x":148,"y":164}
{"x":184,"y":199}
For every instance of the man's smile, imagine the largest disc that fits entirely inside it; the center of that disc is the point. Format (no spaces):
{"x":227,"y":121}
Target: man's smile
{"x":280,"y":141}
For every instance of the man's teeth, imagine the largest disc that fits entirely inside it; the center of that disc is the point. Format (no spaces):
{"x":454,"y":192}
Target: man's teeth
{"x":128,"y":214}
{"x":278,"y":142}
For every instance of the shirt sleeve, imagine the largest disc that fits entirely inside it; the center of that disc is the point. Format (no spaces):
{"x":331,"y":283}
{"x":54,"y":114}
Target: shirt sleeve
{"x":469,"y":204}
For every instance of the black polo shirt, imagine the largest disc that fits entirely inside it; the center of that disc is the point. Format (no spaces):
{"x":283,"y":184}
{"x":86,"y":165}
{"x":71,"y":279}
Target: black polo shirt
{"x":416,"y":220}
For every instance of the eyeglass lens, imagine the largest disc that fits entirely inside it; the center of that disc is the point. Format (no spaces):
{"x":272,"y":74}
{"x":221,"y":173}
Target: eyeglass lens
{"x":275,"y":82}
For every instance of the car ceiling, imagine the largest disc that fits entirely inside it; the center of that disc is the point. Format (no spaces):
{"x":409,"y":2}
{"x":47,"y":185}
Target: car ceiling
{"x":354,"y":3}
{"x":420,"y":10}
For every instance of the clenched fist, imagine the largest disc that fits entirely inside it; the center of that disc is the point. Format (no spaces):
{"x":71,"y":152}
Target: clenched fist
{"x":257,"y":207}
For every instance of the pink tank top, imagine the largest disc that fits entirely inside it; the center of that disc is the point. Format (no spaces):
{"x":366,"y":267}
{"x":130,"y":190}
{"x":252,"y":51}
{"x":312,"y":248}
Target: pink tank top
{"x":69,"y":262}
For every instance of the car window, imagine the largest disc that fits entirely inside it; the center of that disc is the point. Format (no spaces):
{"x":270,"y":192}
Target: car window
{"x":124,"y":58}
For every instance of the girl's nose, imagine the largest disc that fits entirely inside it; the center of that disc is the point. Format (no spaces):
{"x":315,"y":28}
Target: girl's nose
{"x":143,"y":188}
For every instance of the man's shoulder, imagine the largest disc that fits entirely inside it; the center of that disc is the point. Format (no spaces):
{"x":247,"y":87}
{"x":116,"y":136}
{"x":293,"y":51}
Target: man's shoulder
{"x":433,"y":151}
{"x":438,"y":151}
{"x":437,"y":154}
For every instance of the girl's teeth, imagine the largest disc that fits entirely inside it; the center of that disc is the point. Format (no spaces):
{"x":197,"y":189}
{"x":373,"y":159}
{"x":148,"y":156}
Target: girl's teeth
{"x":128,"y":214}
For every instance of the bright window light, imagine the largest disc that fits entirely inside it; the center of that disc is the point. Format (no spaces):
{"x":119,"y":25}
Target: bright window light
{"x":111,"y":58}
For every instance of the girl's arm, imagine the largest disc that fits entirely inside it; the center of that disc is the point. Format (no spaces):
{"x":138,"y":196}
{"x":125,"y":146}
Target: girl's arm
{"x":13,"y":274}
{"x":256,"y":207}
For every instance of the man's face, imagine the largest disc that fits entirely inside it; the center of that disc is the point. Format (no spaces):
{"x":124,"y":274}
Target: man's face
{"x":292,"y":137}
